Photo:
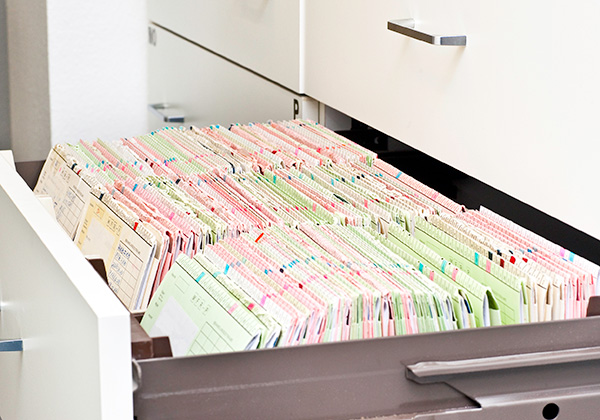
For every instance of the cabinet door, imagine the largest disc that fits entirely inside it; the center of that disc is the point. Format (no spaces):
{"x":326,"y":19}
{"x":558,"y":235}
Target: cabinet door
{"x":211,"y":90}
{"x":516,"y":107}
{"x":262,"y":35}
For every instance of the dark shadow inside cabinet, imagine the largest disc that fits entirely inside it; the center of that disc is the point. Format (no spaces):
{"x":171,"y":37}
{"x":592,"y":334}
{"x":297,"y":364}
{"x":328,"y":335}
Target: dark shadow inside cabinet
{"x":471,"y":192}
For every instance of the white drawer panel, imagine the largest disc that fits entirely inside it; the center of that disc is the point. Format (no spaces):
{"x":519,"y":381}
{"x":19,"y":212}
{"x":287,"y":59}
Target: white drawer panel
{"x":516,"y":108}
{"x":262,"y":35}
{"x":211,"y":90}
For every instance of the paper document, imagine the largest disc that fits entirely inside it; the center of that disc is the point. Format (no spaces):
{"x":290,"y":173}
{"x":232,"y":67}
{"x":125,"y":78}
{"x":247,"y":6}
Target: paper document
{"x":194,"y":319}
{"x":69,"y":192}
{"x":127,"y":252}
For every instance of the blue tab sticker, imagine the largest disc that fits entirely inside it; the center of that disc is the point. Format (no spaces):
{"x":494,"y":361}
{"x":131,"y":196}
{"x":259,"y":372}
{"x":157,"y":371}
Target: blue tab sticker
{"x":421,"y":267}
{"x":399,"y":173}
{"x":200,"y":277}
{"x":571,"y":256}
{"x":476,"y":259}
{"x":444,"y":263}
{"x":226,"y":269}
{"x":134,"y":187}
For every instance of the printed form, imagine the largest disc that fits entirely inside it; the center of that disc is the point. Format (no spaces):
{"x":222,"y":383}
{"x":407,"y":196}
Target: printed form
{"x":127,"y":254}
{"x":68,"y":191}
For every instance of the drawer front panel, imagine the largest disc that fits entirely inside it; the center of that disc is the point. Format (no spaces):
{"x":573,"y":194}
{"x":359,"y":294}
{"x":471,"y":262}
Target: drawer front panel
{"x":211,"y":90}
{"x":262,"y":35}
{"x":515,"y":108}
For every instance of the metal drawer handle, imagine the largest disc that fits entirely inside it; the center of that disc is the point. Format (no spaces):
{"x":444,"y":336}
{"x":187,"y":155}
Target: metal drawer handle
{"x":424,"y":371}
{"x":168,"y":114}
{"x":406,"y":27}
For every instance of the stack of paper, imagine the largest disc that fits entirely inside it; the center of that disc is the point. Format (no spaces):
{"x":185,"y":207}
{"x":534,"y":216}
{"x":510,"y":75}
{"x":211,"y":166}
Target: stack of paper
{"x":285,"y":233}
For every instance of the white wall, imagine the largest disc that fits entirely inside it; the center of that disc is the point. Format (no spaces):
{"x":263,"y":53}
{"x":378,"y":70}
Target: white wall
{"x":4,"y":104}
{"x":28,"y":78}
{"x":77,"y":70}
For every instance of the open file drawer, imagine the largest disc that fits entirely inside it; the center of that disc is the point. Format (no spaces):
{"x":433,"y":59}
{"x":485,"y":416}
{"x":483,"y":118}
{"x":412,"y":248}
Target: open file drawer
{"x":76,"y":353}
{"x":522,"y":372}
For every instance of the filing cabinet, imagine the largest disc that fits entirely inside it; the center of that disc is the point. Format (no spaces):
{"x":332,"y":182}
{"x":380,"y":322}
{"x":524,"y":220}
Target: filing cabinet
{"x":514,"y":108}
{"x":189,"y":83}
{"x":264,"y":36}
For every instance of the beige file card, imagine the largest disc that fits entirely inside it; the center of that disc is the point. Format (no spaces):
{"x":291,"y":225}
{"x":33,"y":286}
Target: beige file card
{"x":68,"y":191}
{"x":127,"y":252}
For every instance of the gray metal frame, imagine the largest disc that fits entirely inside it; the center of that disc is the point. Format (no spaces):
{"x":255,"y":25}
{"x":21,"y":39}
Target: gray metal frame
{"x":369,"y":378}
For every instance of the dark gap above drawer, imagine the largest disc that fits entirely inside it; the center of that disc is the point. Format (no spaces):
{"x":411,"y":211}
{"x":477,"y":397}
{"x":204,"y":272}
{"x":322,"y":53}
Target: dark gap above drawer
{"x":471,"y":192}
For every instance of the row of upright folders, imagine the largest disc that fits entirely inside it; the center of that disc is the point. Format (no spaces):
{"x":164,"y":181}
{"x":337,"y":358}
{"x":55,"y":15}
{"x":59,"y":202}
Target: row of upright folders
{"x":285,"y":233}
